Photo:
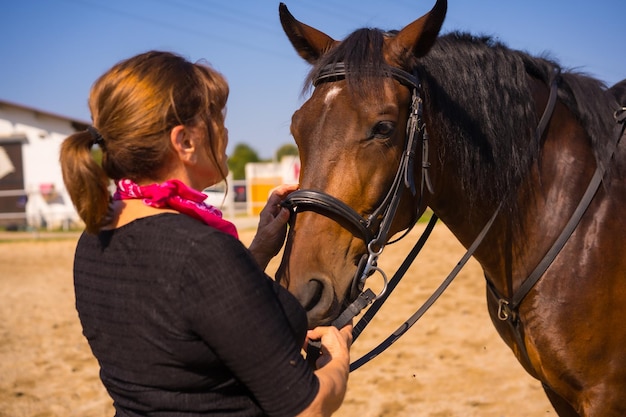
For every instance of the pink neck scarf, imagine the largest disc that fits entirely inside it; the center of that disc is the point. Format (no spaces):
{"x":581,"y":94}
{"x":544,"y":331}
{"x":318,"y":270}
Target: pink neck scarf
{"x":175,"y":195}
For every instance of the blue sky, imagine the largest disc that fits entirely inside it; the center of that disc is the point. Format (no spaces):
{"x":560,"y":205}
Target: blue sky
{"x":52,"y":51}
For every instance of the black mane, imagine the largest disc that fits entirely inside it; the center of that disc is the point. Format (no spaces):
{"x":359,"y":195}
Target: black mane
{"x":619,"y":92}
{"x":476,"y":92}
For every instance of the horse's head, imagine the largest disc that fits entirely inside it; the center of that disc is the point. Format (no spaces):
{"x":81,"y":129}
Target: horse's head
{"x":352,"y":135}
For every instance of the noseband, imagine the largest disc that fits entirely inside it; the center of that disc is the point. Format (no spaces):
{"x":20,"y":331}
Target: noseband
{"x":373,"y":228}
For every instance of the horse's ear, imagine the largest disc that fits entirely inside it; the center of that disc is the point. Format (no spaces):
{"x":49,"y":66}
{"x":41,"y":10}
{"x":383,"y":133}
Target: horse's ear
{"x":418,"y":37}
{"x":309,"y":42}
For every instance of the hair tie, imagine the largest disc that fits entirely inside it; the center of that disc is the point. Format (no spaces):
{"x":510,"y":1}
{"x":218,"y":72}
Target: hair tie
{"x":96,"y":136}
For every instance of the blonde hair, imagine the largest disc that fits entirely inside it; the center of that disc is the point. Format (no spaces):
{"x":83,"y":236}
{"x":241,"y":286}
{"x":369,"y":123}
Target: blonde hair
{"x":134,"y":106}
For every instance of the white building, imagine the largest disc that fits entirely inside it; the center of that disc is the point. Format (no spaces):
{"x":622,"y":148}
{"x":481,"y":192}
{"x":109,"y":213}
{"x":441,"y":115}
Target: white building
{"x":31,"y":185}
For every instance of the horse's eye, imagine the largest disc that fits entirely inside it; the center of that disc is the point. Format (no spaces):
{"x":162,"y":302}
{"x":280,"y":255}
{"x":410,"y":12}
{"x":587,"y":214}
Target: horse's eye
{"x":383,"y":130}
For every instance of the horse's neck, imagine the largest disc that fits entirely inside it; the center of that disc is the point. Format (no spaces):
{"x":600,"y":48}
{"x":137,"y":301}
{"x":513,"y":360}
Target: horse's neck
{"x":521,"y":234}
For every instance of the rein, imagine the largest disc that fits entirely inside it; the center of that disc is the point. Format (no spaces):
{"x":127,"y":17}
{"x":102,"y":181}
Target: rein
{"x":507,"y":308}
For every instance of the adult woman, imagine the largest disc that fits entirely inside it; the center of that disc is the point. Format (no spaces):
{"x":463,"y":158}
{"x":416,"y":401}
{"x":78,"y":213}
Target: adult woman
{"x":180,"y":315}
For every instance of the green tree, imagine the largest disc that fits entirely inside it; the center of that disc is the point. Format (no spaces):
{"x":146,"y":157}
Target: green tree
{"x":287,"y":149}
{"x":241,"y":155}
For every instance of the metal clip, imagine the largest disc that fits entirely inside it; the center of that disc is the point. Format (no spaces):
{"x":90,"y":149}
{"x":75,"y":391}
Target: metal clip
{"x":503,"y":310}
{"x":371,"y":266}
{"x":372,"y":259}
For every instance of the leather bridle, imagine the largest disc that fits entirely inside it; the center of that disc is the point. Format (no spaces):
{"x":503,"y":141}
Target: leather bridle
{"x":373,"y":228}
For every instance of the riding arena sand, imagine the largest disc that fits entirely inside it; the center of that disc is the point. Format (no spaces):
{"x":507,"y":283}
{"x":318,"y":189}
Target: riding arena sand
{"x":451,"y":363}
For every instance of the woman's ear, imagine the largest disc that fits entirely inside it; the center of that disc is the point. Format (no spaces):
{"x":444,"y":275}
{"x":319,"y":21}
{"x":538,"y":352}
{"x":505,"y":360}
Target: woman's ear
{"x":183,"y":144}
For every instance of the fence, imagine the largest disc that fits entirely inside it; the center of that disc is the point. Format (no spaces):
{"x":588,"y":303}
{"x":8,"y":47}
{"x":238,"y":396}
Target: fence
{"x":43,"y":208}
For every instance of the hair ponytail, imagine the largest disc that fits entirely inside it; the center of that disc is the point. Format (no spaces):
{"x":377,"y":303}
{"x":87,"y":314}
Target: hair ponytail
{"x":85,"y":180}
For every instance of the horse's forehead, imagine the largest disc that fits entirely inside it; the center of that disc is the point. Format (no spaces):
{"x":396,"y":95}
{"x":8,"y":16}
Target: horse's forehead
{"x":338,"y":95}
{"x":331,"y":94}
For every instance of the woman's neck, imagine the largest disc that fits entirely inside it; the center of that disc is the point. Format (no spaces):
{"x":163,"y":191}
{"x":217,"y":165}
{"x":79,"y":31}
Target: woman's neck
{"x":126,"y":211}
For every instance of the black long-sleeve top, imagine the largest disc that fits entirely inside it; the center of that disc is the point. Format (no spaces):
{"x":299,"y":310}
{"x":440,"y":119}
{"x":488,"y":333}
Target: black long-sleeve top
{"x":184,"y":323}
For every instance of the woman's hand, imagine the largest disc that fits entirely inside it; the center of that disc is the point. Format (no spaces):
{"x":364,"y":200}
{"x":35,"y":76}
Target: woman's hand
{"x":272,"y":228}
{"x":333,"y":369}
{"x":335,"y":344}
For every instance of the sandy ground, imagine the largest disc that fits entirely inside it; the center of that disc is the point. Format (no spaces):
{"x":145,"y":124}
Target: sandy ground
{"x":451,"y":363}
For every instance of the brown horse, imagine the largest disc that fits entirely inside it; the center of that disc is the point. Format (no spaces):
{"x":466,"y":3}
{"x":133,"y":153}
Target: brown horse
{"x":493,"y":133}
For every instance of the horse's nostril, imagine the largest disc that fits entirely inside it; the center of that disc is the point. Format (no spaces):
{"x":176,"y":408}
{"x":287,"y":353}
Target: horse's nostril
{"x":316,"y":291}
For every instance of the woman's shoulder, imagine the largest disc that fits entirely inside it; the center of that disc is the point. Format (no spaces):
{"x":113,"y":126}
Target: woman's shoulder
{"x":177,"y":227}
{"x":171,"y":232}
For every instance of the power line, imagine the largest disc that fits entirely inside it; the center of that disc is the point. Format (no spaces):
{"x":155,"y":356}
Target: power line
{"x":232,"y":14}
{"x":186,"y":29}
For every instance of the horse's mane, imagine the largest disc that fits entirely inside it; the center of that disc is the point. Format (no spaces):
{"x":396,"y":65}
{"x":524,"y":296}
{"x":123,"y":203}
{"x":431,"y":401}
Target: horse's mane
{"x":362,"y":54}
{"x":619,"y":92}
{"x":476,"y":92}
